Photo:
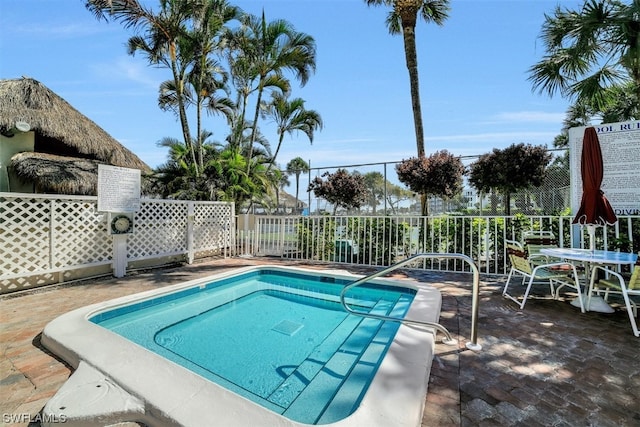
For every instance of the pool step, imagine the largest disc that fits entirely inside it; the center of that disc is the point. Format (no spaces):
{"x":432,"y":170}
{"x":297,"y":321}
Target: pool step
{"x":345,"y":401}
{"x":329,"y":383}
{"x":305,"y":373}
{"x":350,"y":393}
{"x":302,"y":376}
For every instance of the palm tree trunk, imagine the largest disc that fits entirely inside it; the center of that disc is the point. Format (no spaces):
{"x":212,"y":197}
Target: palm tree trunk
{"x":181,"y":108}
{"x":412,"y":65}
{"x":411,"y":57}
{"x":199,"y":132}
{"x":254,"y":129}
{"x":297,"y":188}
{"x":276,"y":153}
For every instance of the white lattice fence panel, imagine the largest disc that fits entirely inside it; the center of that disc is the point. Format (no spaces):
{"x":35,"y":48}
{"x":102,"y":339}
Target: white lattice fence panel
{"x":80,"y":234}
{"x":212,"y":226}
{"x":160,"y":229}
{"x":24,"y":235}
{"x":45,"y":237}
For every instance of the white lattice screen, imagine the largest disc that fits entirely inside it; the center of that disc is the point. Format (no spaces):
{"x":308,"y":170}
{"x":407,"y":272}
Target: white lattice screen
{"x":213,"y":226}
{"x":160,"y":229}
{"x":44,"y":236}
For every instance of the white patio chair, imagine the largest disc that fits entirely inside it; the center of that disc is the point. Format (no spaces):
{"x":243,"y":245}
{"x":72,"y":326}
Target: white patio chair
{"x":559,"y":274}
{"x":534,"y":241}
{"x":614,"y":283}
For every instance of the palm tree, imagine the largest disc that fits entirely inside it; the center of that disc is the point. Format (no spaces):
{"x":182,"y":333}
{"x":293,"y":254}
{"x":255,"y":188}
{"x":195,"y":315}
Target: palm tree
{"x":297,"y":166}
{"x":159,"y":42}
{"x":283,"y":181}
{"x":177,"y":177}
{"x":266,"y":51}
{"x":290,"y":117}
{"x":239,"y":136}
{"x":270,"y":199}
{"x":234,"y":183}
{"x":209,"y":21}
{"x":402,"y":19}
{"x":181,"y":36}
{"x":203,"y":94}
{"x":624,"y":104}
{"x":590,"y":52}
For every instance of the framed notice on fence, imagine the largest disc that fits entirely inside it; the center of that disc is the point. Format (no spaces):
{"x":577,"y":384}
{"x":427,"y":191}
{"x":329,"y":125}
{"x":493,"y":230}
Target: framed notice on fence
{"x":620,"y":145}
{"x":118,"y":189}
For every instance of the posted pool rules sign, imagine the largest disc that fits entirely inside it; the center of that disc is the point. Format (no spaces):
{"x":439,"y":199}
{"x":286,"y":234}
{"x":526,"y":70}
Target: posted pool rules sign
{"x":119,"y":194}
{"x":620,"y":144}
{"x":118,"y":189}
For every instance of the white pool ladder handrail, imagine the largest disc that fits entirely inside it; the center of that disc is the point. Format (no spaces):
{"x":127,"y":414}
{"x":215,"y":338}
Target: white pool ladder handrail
{"x":471,"y":345}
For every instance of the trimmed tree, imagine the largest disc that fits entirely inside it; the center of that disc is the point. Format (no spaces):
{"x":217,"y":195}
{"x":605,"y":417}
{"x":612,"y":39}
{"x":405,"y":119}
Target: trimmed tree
{"x":517,"y":167}
{"x":341,"y":189}
{"x":438,"y":175}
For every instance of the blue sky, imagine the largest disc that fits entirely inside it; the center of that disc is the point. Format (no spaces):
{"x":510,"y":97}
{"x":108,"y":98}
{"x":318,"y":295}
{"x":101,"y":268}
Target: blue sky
{"x":473,"y":77}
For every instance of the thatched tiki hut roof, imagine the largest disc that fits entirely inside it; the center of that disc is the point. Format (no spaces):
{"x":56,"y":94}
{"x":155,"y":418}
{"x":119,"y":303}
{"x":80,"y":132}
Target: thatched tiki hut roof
{"x":68,"y":146}
{"x":57,"y":174}
{"x":289,"y":201}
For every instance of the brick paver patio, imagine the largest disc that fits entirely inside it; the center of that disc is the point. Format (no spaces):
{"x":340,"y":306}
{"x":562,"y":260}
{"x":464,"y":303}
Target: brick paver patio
{"x":547,"y":365}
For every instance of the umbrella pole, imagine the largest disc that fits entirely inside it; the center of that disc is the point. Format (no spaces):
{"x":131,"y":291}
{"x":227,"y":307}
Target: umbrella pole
{"x":597,"y":302}
{"x":592,"y":237}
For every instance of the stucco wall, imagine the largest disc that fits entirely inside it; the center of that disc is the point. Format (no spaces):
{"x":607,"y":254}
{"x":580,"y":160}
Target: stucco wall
{"x":21,"y":141}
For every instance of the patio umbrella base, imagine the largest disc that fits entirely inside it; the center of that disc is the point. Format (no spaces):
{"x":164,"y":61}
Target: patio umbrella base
{"x":597,"y":304}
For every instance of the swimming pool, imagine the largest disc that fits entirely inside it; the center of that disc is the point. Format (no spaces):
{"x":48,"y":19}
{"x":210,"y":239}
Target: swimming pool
{"x":206,"y":350}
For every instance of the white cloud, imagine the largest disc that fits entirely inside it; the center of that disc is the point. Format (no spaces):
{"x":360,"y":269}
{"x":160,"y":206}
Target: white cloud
{"x":58,"y":31}
{"x":137,"y":71}
{"x":129,"y":68}
{"x":530,"y":116}
{"x":494,"y":137}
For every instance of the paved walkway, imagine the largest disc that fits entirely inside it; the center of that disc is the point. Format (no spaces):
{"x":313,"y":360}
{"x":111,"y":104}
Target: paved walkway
{"x":548,"y":365}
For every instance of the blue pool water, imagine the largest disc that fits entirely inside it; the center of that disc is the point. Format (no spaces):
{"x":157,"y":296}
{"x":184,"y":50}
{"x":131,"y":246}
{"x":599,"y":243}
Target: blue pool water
{"x":278,"y":338}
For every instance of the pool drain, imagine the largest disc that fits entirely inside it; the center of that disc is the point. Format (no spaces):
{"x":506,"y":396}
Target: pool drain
{"x":288,"y":327}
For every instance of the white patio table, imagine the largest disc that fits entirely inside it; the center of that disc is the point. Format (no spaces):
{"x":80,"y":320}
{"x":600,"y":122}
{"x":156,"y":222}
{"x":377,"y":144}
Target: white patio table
{"x":590,"y":257}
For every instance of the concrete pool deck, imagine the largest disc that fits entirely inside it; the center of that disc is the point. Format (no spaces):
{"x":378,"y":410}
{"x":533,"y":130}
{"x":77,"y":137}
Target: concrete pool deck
{"x":546,"y":365}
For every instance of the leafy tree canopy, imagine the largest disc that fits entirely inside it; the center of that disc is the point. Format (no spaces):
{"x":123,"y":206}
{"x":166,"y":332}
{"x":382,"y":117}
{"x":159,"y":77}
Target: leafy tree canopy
{"x":590,"y":52}
{"x":514,"y":168}
{"x":340,"y":189}
{"x":438,"y":175}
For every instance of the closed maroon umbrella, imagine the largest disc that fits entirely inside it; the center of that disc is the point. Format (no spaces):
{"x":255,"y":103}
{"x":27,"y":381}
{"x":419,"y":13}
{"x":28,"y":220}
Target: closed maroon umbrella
{"x":594,"y":207}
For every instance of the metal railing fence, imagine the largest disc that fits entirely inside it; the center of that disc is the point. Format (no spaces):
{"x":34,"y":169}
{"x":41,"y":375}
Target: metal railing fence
{"x":385,"y":240}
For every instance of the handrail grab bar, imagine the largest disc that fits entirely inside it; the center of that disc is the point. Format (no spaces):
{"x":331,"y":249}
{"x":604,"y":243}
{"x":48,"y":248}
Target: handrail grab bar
{"x":472,"y":345}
